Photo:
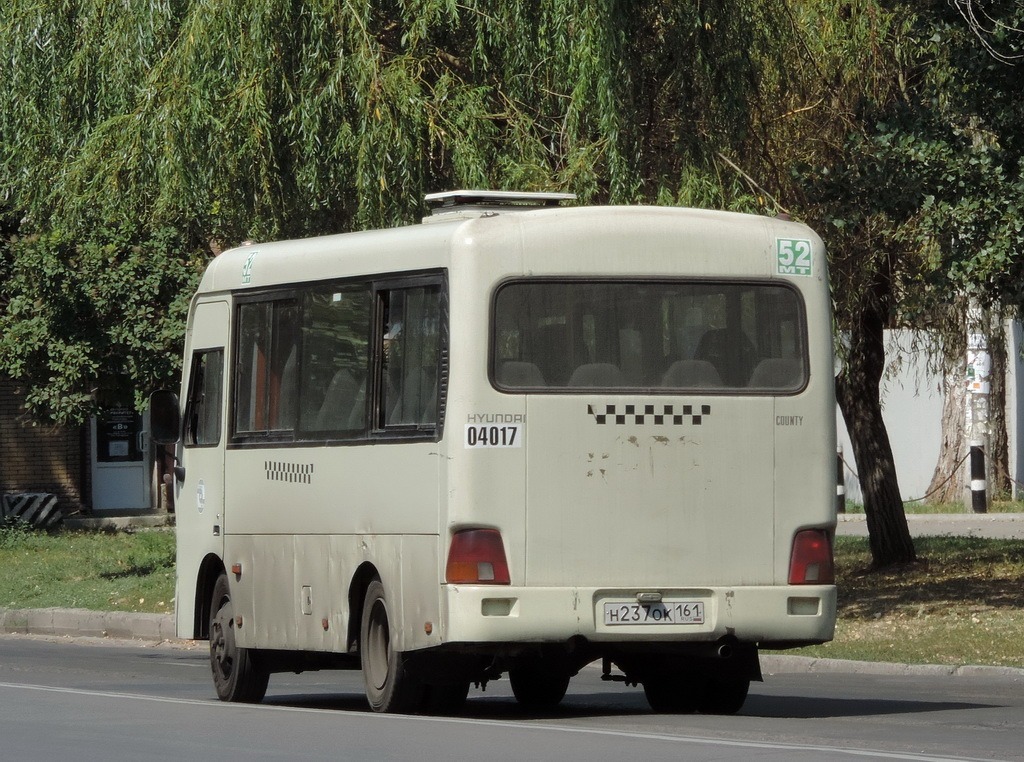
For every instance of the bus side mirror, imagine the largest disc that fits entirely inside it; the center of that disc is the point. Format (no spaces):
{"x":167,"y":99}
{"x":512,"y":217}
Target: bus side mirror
{"x":164,"y":418}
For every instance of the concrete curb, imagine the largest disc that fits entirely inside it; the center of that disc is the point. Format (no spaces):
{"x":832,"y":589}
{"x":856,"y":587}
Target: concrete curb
{"x":777,"y":663}
{"x":85,"y":623}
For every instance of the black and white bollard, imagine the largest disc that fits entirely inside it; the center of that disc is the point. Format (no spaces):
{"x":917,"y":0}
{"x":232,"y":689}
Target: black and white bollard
{"x":840,"y":483}
{"x":979,"y":493}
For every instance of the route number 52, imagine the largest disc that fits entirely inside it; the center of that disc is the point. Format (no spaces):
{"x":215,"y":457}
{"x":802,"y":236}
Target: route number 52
{"x":794,"y":256}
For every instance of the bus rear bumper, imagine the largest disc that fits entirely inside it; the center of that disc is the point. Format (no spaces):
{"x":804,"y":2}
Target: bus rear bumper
{"x":766,"y":615}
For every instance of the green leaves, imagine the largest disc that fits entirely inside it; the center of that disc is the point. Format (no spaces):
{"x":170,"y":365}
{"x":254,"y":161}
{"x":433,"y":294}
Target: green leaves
{"x":249,"y":119}
{"x":915,"y":162}
{"x":95,"y":322}
{"x":164,"y":131}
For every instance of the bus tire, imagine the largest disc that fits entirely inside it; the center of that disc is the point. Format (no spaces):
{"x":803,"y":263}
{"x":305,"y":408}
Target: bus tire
{"x":389,"y":686}
{"x":724,"y":696}
{"x":671,"y":693}
{"x":537,"y":687}
{"x":446,"y":698}
{"x":236,"y":675}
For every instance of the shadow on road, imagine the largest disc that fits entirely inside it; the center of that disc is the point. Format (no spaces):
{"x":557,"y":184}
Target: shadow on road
{"x":816,"y":708}
{"x":582,"y":705}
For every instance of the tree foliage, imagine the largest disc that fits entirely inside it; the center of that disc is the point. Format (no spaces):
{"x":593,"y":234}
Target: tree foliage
{"x":278,"y":118}
{"x":85,"y":320}
{"x":244,"y":119}
{"x":999,"y":27}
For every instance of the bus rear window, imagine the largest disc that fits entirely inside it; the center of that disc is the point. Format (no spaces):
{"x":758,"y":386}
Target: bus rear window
{"x":670,"y":336}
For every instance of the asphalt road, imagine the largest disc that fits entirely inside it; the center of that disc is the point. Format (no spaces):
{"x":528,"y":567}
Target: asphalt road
{"x":98,"y":699}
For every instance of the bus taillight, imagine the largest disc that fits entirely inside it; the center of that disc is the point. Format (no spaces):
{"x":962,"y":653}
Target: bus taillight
{"x":810,"y":563}
{"x":477,"y":557}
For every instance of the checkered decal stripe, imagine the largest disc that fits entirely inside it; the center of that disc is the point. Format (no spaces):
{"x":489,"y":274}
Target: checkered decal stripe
{"x":643,"y":414}
{"x":295,"y":473}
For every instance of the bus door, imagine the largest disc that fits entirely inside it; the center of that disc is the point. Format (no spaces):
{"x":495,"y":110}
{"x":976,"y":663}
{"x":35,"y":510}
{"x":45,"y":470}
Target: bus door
{"x":200,"y":506}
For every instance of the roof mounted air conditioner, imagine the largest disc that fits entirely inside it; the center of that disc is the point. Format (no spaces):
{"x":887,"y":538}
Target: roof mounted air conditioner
{"x":476,"y":203}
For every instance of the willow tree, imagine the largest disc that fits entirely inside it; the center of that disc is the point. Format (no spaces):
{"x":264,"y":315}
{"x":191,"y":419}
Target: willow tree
{"x":141,"y":137}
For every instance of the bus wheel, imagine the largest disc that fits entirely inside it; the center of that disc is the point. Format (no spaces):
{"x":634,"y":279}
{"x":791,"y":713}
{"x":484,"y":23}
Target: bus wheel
{"x":723,"y":696}
{"x":389,"y":687}
{"x":236,"y":676}
{"x":447,"y":698}
{"x":672,"y":693}
{"x":537,"y":686}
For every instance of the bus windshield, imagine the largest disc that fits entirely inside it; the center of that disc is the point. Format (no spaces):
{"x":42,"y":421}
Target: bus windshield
{"x":667,"y":336}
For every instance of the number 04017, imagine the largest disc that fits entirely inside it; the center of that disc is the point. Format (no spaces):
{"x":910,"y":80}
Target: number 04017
{"x":501,"y":435}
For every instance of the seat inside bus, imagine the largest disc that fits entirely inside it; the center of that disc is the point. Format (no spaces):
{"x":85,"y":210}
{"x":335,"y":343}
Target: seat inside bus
{"x":602,"y":374}
{"x":730,"y":352}
{"x":520,"y":373}
{"x":776,"y":373}
{"x":690,"y":374}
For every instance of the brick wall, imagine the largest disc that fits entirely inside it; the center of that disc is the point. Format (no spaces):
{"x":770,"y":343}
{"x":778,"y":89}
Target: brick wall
{"x":41,"y":458}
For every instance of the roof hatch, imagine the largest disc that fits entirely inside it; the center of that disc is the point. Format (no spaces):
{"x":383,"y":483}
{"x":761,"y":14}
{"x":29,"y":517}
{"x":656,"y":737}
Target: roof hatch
{"x":475,"y":203}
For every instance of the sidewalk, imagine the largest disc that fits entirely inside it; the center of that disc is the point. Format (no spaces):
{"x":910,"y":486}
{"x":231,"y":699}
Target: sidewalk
{"x":994,"y":526}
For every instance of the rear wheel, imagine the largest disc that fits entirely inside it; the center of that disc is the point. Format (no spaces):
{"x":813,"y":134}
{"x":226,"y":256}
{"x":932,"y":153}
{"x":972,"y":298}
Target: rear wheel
{"x":671,"y":693}
{"x":389,"y":686}
{"x":539,"y":685}
{"x":723,"y":696}
{"x":236,"y":675}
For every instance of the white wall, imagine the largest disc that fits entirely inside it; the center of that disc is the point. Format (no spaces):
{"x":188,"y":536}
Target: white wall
{"x":912,"y":409}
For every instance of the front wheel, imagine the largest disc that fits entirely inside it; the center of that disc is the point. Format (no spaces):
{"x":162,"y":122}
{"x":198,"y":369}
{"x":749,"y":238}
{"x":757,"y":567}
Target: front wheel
{"x":389,"y":686}
{"x":236,"y":675}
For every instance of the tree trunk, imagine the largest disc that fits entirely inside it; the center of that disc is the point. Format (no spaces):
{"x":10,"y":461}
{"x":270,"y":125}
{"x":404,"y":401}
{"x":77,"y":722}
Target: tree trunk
{"x":949,"y":479}
{"x":858,"y":389}
{"x":997,"y":451}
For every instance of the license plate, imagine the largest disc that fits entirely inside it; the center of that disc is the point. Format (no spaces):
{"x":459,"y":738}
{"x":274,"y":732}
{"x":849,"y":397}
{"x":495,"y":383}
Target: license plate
{"x":666,"y":612}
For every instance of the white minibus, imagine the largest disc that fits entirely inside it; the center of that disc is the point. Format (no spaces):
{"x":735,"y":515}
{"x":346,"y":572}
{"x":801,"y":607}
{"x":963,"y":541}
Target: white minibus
{"x":516,"y":439}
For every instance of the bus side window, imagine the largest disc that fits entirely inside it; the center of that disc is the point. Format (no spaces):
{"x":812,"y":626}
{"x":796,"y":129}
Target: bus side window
{"x":336,"y":333}
{"x":410,"y":357}
{"x":267,"y":371}
{"x":203,"y":407}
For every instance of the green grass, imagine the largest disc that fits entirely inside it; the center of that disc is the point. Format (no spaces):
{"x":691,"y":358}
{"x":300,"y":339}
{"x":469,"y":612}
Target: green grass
{"x":101,"y":571}
{"x":961,"y":603}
